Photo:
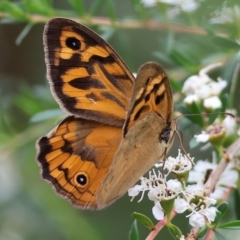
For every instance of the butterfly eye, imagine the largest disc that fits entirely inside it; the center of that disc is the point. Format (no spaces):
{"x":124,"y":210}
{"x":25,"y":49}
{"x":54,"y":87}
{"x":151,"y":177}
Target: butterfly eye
{"x":73,"y":43}
{"x":82,"y":179}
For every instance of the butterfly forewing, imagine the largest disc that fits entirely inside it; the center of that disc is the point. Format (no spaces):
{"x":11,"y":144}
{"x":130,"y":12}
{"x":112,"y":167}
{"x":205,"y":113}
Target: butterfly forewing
{"x":85,"y":73}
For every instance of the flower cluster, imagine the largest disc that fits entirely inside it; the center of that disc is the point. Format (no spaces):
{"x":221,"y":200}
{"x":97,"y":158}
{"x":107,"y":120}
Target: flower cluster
{"x":220,"y":133}
{"x":179,"y":5}
{"x":201,"y":88}
{"x":200,"y":173}
{"x":168,"y":194}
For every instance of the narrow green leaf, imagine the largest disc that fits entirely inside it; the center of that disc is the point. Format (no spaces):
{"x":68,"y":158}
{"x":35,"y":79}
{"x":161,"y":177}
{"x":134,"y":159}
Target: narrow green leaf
{"x":163,"y":57}
{"x":233,"y":225}
{"x":96,"y":6}
{"x":219,"y":236}
{"x":236,"y":203}
{"x":14,"y":11}
{"x":182,"y":59}
{"x":48,"y":114}
{"x":43,"y":7}
{"x":24,"y":33}
{"x":214,"y":114}
{"x":222,"y":207}
{"x":133,"y":233}
{"x":78,"y":6}
{"x":147,"y":222}
{"x":140,"y":9}
{"x":202,"y":232}
{"x":196,"y":117}
{"x":175,"y":231}
{"x":110,"y":10}
{"x":193,"y":143}
{"x":214,"y":224}
{"x":225,"y":43}
{"x":107,"y":32}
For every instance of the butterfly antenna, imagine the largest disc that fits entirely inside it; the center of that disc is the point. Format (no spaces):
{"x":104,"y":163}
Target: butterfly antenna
{"x":205,"y":114}
{"x":182,"y":148}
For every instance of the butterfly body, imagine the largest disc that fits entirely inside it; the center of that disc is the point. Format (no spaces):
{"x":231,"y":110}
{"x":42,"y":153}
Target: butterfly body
{"x":119,"y":126}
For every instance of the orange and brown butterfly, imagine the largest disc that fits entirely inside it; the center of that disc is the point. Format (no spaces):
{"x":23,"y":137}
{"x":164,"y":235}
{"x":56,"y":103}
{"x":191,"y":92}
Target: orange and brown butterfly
{"x":118,"y":126}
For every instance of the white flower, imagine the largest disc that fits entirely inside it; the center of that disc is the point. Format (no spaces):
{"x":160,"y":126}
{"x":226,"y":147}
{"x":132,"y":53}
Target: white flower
{"x":188,"y":100}
{"x":202,"y":87}
{"x":218,"y":193}
{"x":135,"y":190}
{"x":210,"y":213}
{"x":200,"y":207}
{"x":157,"y":211}
{"x":230,"y":125}
{"x":203,"y":137}
{"x":158,"y":189}
{"x":203,"y":92}
{"x":185,"y":5}
{"x":194,"y":82}
{"x":226,"y":14}
{"x":197,"y":220}
{"x":181,"y":205}
{"x":229,"y":177}
{"x":212,"y":103}
{"x":149,"y":3}
{"x":198,"y":175}
{"x":180,"y":164}
{"x":217,"y":87}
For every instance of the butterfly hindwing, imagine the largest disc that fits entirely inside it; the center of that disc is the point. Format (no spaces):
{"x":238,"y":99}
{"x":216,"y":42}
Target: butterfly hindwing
{"x":76,"y":156}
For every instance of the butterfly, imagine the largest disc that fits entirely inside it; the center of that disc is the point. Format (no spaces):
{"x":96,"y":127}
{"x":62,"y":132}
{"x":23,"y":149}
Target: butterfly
{"x":118,"y":126}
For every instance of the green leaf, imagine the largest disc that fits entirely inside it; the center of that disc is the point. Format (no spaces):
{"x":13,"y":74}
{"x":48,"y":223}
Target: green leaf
{"x":225,"y":43}
{"x":182,"y":59}
{"x":24,"y":33}
{"x":236,"y":203}
{"x":133,"y":233}
{"x":193,"y":143}
{"x":96,"y":6}
{"x":222,"y":207}
{"x":163,"y":57}
{"x":233,"y":225}
{"x":219,"y":236}
{"x":140,"y":9}
{"x":147,"y":222}
{"x":202,"y":232}
{"x":42,"y":7}
{"x":175,"y":231}
{"x":196,"y":116}
{"x":110,"y":9}
{"x":213,"y":224}
{"x":14,"y":11}
{"x":213,"y":115}
{"x":48,"y":114}
{"x":78,"y":6}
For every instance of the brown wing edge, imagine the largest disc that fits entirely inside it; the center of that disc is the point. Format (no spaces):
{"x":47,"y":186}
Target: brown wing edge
{"x":43,"y":147}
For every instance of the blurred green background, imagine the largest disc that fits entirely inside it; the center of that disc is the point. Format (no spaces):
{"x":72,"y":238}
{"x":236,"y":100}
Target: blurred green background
{"x":184,"y":38}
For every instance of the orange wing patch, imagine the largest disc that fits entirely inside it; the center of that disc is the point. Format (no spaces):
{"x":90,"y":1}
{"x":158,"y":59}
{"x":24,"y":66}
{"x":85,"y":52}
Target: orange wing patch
{"x":85,"y":73}
{"x":73,"y":150}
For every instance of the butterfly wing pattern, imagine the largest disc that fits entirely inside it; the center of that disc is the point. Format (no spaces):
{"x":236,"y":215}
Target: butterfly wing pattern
{"x":118,"y":126}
